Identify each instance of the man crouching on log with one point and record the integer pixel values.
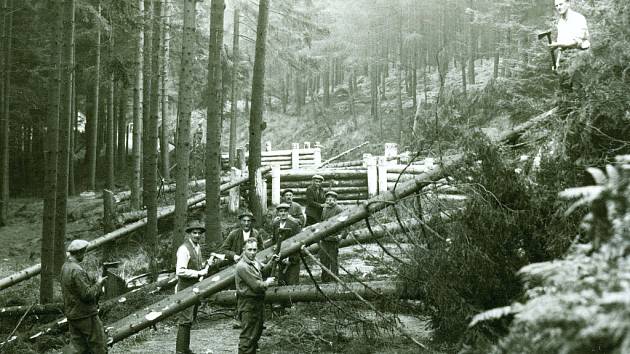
(80, 298)
(189, 270)
(250, 289)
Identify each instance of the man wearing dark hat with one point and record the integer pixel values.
(189, 270)
(315, 200)
(329, 246)
(233, 244)
(284, 227)
(80, 298)
(295, 209)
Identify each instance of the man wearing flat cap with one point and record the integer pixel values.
(80, 298)
(233, 244)
(284, 227)
(329, 246)
(295, 209)
(190, 269)
(315, 200)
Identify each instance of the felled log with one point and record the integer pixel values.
(336, 157)
(358, 182)
(339, 190)
(167, 188)
(412, 169)
(130, 216)
(326, 173)
(37, 309)
(363, 235)
(344, 164)
(308, 293)
(341, 196)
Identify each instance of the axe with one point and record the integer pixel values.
(551, 50)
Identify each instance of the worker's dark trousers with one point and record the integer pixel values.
(87, 335)
(252, 310)
(328, 255)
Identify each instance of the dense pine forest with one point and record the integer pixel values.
(483, 178)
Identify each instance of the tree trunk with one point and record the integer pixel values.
(73, 127)
(109, 147)
(255, 119)
(234, 96)
(151, 133)
(326, 84)
(67, 68)
(497, 51)
(138, 114)
(164, 132)
(213, 130)
(92, 124)
(50, 152)
(464, 88)
(122, 129)
(414, 81)
(472, 47)
(4, 113)
(185, 104)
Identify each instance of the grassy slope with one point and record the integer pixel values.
(335, 128)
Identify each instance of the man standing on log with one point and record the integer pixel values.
(250, 300)
(189, 270)
(284, 227)
(315, 201)
(329, 246)
(80, 298)
(233, 244)
(295, 209)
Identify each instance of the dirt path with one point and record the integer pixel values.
(208, 336)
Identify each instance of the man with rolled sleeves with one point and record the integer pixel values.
(295, 209)
(284, 227)
(189, 270)
(80, 298)
(329, 246)
(315, 200)
(233, 244)
(250, 300)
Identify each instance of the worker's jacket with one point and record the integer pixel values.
(80, 291)
(291, 228)
(328, 213)
(233, 244)
(314, 198)
(195, 262)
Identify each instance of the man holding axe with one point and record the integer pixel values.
(572, 32)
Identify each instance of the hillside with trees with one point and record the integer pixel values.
(123, 120)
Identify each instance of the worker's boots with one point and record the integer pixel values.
(182, 343)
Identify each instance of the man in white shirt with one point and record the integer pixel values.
(190, 269)
(572, 28)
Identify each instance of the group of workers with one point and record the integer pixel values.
(81, 292)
